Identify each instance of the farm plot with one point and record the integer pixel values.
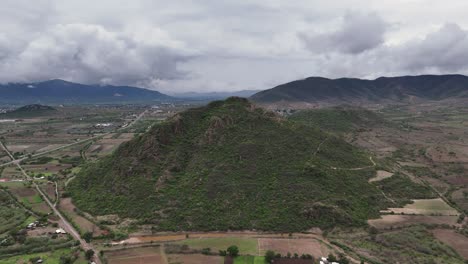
(10, 215)
(426, 207)
(49, 189)
(135, 255)
(30, 198)
(460, 197)
(249, 260)
(52, 257)
(389, 221)
(246, 245)
(194, 259)
(455, 240)
(84, 224)
(11, 172)
(46, 169)
(299, 246)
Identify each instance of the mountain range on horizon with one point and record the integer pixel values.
(60, 91)
(312, 90)
(315, 90)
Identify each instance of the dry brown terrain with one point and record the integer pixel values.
(135, 256)
(381, 174)
(426, 207)
(194, 259)
(453, 239)
(85, 225)
(387, 221)
(300, 246)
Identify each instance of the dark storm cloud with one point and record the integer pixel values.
(359, 32)
(445, 50)
(92, 54)
(205, 45)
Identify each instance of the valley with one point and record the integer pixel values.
(405, 166)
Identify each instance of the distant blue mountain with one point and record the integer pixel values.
(60, 91)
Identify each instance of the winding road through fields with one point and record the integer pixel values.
(63, 223)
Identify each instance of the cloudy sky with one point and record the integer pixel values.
(223, 45)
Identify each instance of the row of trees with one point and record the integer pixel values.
(270, 256)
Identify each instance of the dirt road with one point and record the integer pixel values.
(17, 161)
(63, 223)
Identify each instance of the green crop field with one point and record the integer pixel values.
(52, 257)
(246, 245)
(249, 260)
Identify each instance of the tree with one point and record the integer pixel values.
(269, 256)
(332, 258)
(65, 260)
(89, 254)
(88, 236)
(343, 259)
(233, 251)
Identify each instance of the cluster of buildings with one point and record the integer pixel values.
(33, 225)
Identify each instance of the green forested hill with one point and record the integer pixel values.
(230, 165)
(27, 111)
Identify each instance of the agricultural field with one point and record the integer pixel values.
(390, 221)
(434, 163)
(426, 207)
(194, 259)
(54, 147)
(299, 246)
(453, 239)
(51, 257)
(248, 246)
(415, 244)
(82, 223)
(137, 255)
(30, 198)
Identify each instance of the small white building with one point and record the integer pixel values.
(60, 231)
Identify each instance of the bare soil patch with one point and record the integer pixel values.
(22, 191)
(300, 246)
(460, 199)
(135, 255)
(388, 221)
(49, 189)
(194, 259)
(458, 180)
(381, 174)
(426, 207)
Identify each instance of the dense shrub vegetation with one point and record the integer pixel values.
(230, 165)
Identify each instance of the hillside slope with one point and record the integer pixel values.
(381, 90)
(230, 165)
(59, 91)
(339, 119)
(33, 110)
